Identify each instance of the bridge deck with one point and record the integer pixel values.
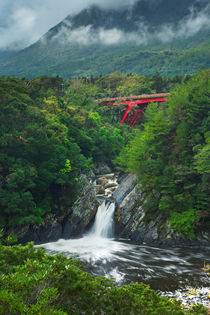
(136, 97)
(140, 102)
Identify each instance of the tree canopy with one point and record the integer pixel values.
(171, 156)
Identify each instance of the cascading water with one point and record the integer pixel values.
(95, 245)
(163, 269)
(103, 225)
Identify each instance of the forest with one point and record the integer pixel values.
(171, 155)
(52, 131)
(169, 60)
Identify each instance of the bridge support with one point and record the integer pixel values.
(137, 115)
(140, 101)
(130, 106)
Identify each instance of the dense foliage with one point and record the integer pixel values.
(48, 137)
(97, 60)
(171, 155)
(33, 282)
(53, 130)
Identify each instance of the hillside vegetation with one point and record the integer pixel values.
(53, 131)
(171, 37)
(48, 138)
(171, 155)
(72, 61)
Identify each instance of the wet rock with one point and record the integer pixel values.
(130, 220)
(111, 176)
(110, 185)
(50, 233)
(82, 212)
(101, 190)
(41, 233)
(101, 180)
(124, 189)
(190, 296)
(112, 189)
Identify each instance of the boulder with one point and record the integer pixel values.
(101, 180)
(110, 185)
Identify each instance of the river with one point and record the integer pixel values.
(164, 269)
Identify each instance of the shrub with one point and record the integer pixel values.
(33, 282)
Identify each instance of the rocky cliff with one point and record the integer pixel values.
(131, 224)
(130, 217)
(72, 223)
(75, 221)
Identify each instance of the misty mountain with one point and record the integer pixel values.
(4, 54)
(151, 13)
(171, 37)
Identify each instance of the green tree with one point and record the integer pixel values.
(171, 156)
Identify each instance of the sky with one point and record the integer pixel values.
(22, 22)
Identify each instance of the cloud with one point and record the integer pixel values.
(22, 22)
(187, 27)
(87, 35)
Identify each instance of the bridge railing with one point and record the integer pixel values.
(140, 102)
(124, 98)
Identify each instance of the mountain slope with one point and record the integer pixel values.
(165, 36)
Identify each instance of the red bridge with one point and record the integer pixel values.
(140, 103)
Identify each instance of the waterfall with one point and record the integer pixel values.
(103, 225)
(97, 244)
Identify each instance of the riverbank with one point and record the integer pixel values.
(190, 296)
(165, 269)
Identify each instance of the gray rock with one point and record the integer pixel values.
(124, 189)
(38, 234)
(130, 223)
(82, 213)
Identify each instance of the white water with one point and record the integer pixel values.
(163, 269)
(103, 225)
(94, 246)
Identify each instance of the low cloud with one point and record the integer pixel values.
(87, 35)
(23, 22)
(186, 28)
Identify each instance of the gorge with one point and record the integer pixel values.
(172, 272)
(59, 152)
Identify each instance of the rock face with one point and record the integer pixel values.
(49, 230)
(76, 220)
(82, 214)
(129, 216)
(130, 220)
(70, 224)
